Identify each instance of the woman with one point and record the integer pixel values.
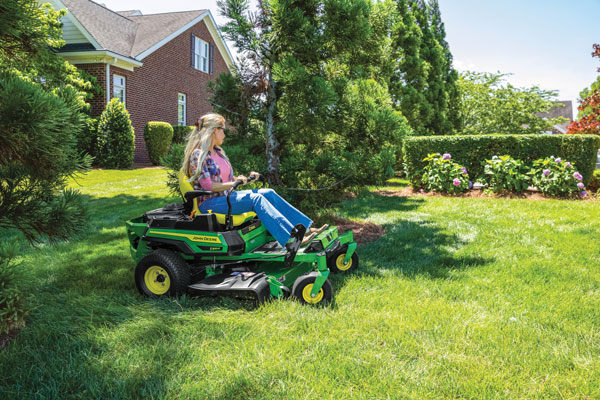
(209, 168)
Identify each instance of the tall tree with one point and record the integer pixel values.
(423, 85)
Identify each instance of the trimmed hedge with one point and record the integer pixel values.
(158, 136)
(180, 133)
(472, 151)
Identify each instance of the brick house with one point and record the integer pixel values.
(159, 65)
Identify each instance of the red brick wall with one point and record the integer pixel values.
(151, 90)
(99, 71)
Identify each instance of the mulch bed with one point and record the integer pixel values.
(364, 232)
(530, 194)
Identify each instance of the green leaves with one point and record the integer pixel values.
(441, 174)
(116, 138)
(505, 174)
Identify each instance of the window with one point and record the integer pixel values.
(119, 87)
(181, 108)
(201, 55)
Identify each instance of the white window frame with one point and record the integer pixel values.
(117, 85)
(201, 56)
(181, 102)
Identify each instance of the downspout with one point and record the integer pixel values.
(108, 64)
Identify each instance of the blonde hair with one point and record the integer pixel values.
(201, 138)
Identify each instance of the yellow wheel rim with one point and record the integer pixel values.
(306, 294)
(157, 280)
(339, 262)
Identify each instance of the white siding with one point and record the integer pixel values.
(70, 32)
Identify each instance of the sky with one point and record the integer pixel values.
(547, 43)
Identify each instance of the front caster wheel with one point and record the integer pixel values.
(162, 273)
(336, 262)
(304, 285)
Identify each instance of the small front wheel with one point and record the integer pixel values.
(336, 262)
(162, 273)
(303, 287)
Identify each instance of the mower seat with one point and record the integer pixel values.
(238, 219)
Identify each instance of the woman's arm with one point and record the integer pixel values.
(221, 187)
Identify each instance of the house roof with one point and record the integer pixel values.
(127, 32)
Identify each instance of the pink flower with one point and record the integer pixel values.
(464, 171)
(546, 172)
(568, 164)
(577, 176)
(456, 182)
(580, 185)
(446, 156)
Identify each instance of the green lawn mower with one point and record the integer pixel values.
(179, 250)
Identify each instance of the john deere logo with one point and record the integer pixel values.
(208, 239)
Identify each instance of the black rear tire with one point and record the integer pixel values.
(162, 273)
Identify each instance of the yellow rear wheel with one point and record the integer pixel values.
(336, 262)
(162, 273)
(157, 280)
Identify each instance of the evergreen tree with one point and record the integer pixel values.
(41, 105)
(116, 137)
(424, 82)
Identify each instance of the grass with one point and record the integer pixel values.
(463, 297)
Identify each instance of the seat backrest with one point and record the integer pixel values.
(185, 186)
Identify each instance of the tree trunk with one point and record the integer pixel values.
(272, 148)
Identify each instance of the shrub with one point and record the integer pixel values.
(87, 138)
(555, 177)
(444, 175)
(180, 133)
(504, 173)
(594, 183)
(471, 151)
(158, 136)
(173, 161)
(116, 138)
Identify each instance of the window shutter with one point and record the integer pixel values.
(193, 58)
(211, 55)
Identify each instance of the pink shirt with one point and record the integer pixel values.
(225, 168)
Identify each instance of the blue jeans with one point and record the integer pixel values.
(278, 216)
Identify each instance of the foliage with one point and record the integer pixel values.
(116, 138)
(37, 155)
(505, 174)
(158, 136)
(173, 161)
(441, 174)
(594, 183)
(87, 138)
(423, 84)
(589, 109)
(472, 150)
(489, 106)
(180, 133)
(555, 177)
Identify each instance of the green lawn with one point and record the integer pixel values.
(463, 297)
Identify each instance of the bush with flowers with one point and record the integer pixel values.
(505, 174)
(556, 177)
(441, 174)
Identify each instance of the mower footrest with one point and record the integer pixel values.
(251, 285)
(270, 248)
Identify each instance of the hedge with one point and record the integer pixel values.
(181, 132)
(116, 137)
(158, 136)
(471, 151)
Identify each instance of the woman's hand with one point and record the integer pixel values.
(254, 174)
(242, 178)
